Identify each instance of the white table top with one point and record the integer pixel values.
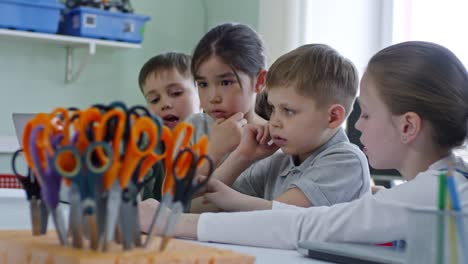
(15, 215)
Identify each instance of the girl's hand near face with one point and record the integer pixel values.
(225, 136)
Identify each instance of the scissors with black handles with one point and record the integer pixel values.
(184, 172)
(38, 209)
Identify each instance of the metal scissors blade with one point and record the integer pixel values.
(174, 217)
(128, 219)
(157, 216)
(39, 216)
(112, 199)
(38, 211)
(76, 217)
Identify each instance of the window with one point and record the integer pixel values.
(443, 22)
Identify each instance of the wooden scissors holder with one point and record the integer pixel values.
(19, 246)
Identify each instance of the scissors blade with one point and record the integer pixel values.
(101, 213)
(76, 216)
(158, 215)
(91, 222)
(59, 223)
(36, 219)
(127, 224)
(136, 230)
(128, 216)
(176, 212)
(112, 212)
(44, 217)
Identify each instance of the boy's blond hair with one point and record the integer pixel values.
(317, 71)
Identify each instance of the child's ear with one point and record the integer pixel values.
(260, 82)
(409, 126)
(336, 115)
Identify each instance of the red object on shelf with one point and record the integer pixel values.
(388, 244)
(9, 181)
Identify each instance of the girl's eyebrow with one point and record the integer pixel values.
(225, 75)
(218, 76)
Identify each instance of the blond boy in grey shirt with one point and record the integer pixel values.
(335, 173)
(311, 91)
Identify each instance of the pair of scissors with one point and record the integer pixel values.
(111, 130)
(185, 185)
(85, 176)
(115, 128)
(137, 160)
(173, 141)
(38, 211)
(48, 177)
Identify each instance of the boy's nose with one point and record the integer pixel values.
(166, 104)
(357, 125)
(275, 122)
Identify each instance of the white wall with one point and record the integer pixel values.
(280, 24)
(357, 28)
(351, 27)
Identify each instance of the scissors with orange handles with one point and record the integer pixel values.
(48, 177)
(110, 130)
(173, 142)
(184, 172)
(137, 161)
(85, 173)
(38, 210)
(131, 160)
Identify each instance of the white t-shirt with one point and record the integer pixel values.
(375, 218)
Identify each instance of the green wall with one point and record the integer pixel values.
(32, 73)
(218, 11)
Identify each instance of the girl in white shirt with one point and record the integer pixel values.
(414, 101)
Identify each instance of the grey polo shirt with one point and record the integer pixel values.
(337, 172)
(202, 124)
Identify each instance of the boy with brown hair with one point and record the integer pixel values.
(169, 88)
(311, 91)
(170, 92)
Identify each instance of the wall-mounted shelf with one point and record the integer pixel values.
(70, 43)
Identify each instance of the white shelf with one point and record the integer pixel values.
(66, 40)
(69, 43)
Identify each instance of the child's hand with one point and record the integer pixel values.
(222, 196)
(226, 135)
(146, 209)
(255, 143)
(377, 188)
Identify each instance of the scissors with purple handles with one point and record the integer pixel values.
(49, 178)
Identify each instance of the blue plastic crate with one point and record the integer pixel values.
(31, 15)
(102, 24)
